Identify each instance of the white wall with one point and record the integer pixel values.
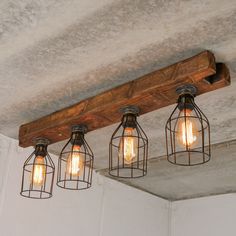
(128, 211)
(108, 208)
(208, 216)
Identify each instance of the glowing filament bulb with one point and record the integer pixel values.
(129, 150)
(39, 171)
(187, 129)
(74, 162)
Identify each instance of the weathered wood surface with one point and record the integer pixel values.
(149, 92)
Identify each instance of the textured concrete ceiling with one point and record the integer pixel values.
(55, 53)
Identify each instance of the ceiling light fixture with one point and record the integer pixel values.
(38, 173)
(128, 149)
(187, 131)
(75, 164)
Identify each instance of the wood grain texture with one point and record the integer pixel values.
(149, 92)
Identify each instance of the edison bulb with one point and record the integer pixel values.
(129, 150)
(187, 129)
(74, 162)
(39, 171)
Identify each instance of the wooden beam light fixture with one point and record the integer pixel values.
(187, 129)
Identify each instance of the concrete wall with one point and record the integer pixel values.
(208, 216)
(108, 208)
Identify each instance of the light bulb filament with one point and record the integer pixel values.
(74, 162)
(128, 147)
(39, 172)
(188, 137)
(187, 129)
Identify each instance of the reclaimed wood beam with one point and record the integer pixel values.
(149, 92)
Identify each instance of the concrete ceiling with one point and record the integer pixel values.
(55, 53)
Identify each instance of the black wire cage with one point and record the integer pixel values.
(187, 131)
(38, 173)
(128, 149)
(75, 163)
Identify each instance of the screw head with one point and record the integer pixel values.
(130, 110)
(42, 141)
(186, 89)
(79, 128)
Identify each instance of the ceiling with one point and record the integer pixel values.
(55, 53)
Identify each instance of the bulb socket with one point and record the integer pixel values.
(185, 101)
(41, 146)
(130, 114)
(129, 121)
(186, 96)
(77, 136)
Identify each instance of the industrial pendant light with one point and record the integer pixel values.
(128, 149)
(187, 131)
(75, 164)
(38, 173)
